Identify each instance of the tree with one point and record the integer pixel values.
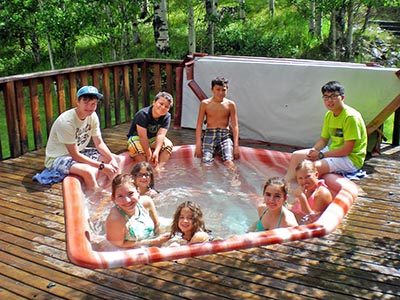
(191, 28)
(210, 18)
(160, 25)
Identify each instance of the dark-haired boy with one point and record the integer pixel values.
(147, 140)
(342, 146)
(220, 114)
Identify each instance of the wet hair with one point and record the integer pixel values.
(149, 169)
(119, 180)
(333, 86)
(307, 165)
(165, 95)
(198, 222)
(219, 81)
(281, 182)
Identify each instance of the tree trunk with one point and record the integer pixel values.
(332, 34)
(318, 24)
(210, 13)
(50, 48)
(160, 25)
(272, 7)
(311, 20)
(144, 10)
(242, 14)
(135, 31)
(349, 35)
(191, 28)
(367, 16)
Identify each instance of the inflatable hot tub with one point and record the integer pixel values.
(78, 230)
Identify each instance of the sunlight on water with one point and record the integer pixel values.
(228, 207)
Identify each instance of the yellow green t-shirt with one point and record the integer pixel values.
(348, 126)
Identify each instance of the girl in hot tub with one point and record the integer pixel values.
(144, 178)
(273, 212)
(313, 196)
(188, 225)
(132, 223)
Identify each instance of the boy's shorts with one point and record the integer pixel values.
(135, 147)
(217, 140)
(339, 163)
(64, 163)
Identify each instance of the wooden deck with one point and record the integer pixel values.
(360, 260)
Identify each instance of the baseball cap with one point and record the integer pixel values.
(89, 90)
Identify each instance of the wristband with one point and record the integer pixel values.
(101, 166)
(321, 155)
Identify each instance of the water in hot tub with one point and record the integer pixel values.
(228, 202)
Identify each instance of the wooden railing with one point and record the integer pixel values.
(31, 102)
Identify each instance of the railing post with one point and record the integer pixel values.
(178, 97)
(396, 128)
(12, 119)
(35, 112)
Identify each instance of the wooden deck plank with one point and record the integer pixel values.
(358, 260)
(15, 290)
(144, 274)
(33, 287)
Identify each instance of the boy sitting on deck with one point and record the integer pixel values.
(147, 139)
(67, 150)
(219, 112)
(342, 146)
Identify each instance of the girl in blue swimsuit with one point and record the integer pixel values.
(273, 213)
(131, 223)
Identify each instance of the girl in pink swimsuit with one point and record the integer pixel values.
(313, 197)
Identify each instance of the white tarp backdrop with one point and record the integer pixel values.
(279, 100)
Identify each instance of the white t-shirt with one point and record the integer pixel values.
(69, 129)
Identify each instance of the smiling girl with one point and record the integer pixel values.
(189, 224)
(132, 223)
(273, 213)
(144, 178)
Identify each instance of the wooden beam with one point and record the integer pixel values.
(383, 115)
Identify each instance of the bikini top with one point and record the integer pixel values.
(297, 206)
(260, 226)
(138, 227)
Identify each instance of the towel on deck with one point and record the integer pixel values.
(357, 175)
(49, 176)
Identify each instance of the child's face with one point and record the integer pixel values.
(274, 197)
(161, 107)
(219, 91)
(307, 179)
(126, 197)
(333, 101)
(142, 178)
(185, 223)
(87, 107)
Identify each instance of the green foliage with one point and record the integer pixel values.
(82, 32)
(285, 35)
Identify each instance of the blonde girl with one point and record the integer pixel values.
(313, 196)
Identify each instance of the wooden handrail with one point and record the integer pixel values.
(33, 101)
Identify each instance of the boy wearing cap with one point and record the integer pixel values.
(147, 139)
(342, 146)
(67, 151)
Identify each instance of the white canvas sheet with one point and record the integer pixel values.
(279, 101)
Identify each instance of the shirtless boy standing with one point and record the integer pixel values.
(220, 113)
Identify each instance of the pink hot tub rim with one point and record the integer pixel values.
(80, 251)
